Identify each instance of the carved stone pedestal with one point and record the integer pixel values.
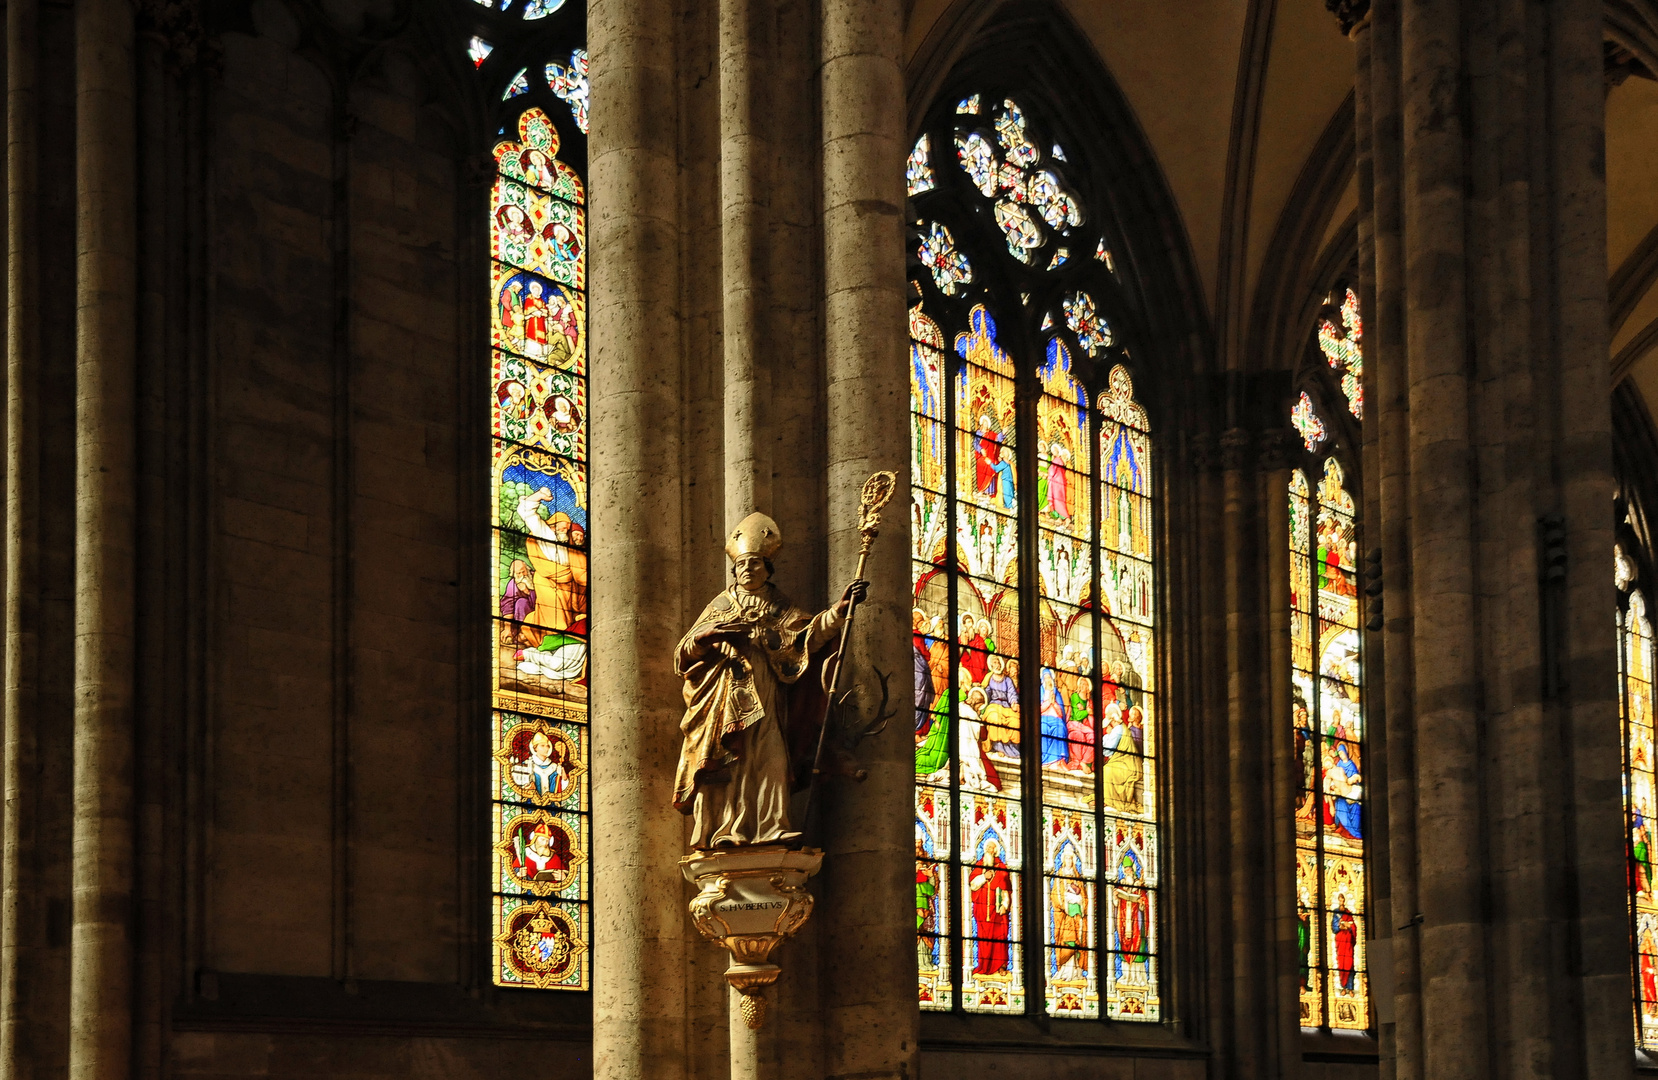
(750, 900)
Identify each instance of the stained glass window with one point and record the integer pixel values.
(1038, 858)
(540, 876)
(1340, 340)
(569, 82)
(1635, 679)
(918, 171)
(1327, 722)
(1306, 421)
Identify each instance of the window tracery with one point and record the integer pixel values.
(1340, 339)
(1038, 858)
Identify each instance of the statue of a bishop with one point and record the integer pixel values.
(748, 648)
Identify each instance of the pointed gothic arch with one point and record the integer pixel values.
(1054, 322)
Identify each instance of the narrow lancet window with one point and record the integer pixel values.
(1327, 720)
(1635, 686)
(539, 783)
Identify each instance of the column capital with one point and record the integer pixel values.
(178, 24)
(1352, 15)
(1235, 444)
(1276, 449)
(1205, 452)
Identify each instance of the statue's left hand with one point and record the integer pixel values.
(857, 590)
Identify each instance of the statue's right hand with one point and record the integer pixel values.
(716, 630)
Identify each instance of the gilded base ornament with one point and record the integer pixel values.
(750, 900)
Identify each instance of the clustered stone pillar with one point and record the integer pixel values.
(1509, 932)
(743, 228)
(106, 477)
(22, 902)
(639, 921)
(1280, 775)
(868, 892)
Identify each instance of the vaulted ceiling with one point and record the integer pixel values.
(1233, 97)
(1239, 100)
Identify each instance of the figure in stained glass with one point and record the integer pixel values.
(991, 888)
(1131, 928)
(1343, 790)
(542, 764)
(1344, 931)
(1123, 742)
(1649, 976)
(1069, 902)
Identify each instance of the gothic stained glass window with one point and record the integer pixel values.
(1038, 860)
(539, 782)
(1635, 685)
(1328, 735)
(1340, 339)
(1305, 419)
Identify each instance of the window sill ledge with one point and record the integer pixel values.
(1343, 1048)
(1022, 1035)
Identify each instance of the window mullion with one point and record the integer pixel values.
(957, 895)
(1034, 861)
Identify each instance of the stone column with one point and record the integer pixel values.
(743, 228)
(1510, 932)
(106, 477)
(640, 925)
(871, 1019)
(1595, 822)
(1244, 836)
(22, 903)
(1281, 772)
(1379, 931)
(1441, 506)
(1385, 354)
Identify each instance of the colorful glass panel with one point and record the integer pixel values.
(992, 850)
(1342, 346)
(1033, 609)
(1128, 732)
(1635, 678)
(1033, 205)
(569, 83)
(1327, 729)
(918, 171)
(1093, 332)
(1306, 421)
(539, 791)
(938, 253)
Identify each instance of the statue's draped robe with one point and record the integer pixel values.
(734, 769)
